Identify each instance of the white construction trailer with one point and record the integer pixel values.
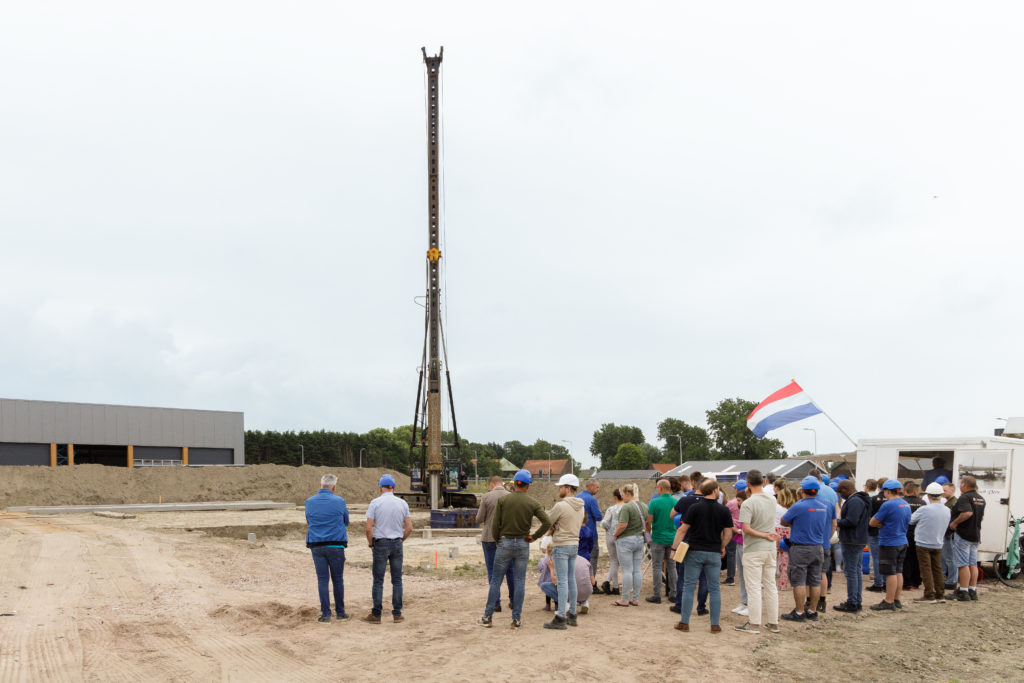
(993, 460)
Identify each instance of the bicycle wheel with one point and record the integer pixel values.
(1003, 574)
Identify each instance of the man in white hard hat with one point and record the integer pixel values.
(566, 519)
(931, 520)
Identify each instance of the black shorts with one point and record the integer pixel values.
(890, 559)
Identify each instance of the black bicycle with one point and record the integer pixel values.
(1004, 570)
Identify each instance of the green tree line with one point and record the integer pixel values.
(725, 438)
(623, 447)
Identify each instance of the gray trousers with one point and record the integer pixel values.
(659, 554)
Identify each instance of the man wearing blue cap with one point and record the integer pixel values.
(892, 521)
(812, 522)
(510, 525)
(388, 524)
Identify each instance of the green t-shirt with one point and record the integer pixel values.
(634, 514)
(663, 529)
(758, 512)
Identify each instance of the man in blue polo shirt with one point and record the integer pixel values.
(594, 516)
(892, 521)
(812, 522)
(327, 538)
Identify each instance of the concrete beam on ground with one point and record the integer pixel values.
(155, 507)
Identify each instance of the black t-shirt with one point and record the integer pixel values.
(876, 504)
(684, 504)
(707, 518)
(972, 501)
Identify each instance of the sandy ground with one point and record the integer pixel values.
(98, 484)
(145, 599)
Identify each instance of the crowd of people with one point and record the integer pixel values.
(772, 536)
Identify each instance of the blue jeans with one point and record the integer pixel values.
(330, 567)
(852, 571)
(490, 548)
(701, 563)
(511, 552)
(878, 580)
(948, 565)
(631, 554)
(702, 588)
(387, 552)
(564, 559)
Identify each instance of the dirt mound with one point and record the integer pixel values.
(290, 529)
(267, 614)
(98, 484)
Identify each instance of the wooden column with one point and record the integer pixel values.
(53, 455)
(71, 454)
(184, 456)
(131, 457)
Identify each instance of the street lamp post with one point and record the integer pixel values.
(680, 447)
(361, 456)
(812, 429)
(572, 466)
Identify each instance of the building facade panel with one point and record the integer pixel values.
(48, 422)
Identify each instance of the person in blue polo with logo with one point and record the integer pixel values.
(812, 523)
(327, 538)
(892, 521)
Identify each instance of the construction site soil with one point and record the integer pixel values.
(184, 596)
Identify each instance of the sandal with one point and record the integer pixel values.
(617, 603)
(634, 604)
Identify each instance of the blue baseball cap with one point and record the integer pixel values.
(825, 479)
(523, 477)
(740, 485)
(387, 480)
(942, 479)
(841, 477)
(809, 483)
(834, 485)
(892, 484)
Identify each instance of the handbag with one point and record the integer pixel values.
(643, 523)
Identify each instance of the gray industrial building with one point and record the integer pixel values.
(57, 434)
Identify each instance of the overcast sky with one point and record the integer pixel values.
(649, 207)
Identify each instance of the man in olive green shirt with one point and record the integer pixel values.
(511, 524)
(663, 532)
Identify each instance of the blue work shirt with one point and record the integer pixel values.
(827, 494)
(327, 517)
(895, 518)
(810, 522)
(592, 509)
(388, 513)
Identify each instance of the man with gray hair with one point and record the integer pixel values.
(663, 533)
(327, 538)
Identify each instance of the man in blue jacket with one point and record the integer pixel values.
(593, 513)
(853, 536)
(327, 538)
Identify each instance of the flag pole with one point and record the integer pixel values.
(828, 416)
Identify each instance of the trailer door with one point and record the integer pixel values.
(992, 470)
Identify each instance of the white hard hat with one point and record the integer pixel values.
(569, 480)
(934, 489)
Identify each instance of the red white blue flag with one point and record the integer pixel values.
(788, 404)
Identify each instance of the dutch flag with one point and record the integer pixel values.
(788, 404)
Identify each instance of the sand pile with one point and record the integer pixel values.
(546, 493)
(98, 484)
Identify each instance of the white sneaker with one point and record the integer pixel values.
(739, 609)
(744, 612)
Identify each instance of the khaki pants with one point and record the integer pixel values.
(759, 573)
(930, 561)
